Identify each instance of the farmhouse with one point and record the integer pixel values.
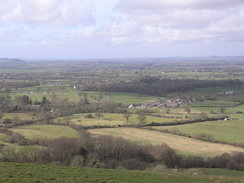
(171, 103)
(229, 93)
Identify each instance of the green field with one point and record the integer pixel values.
(233, 112)
(225, 131)
(73, 95)
(213, 91)
(112, 119)
(45, 131)
(10, 151)
(220, 172)
(123, 97)
(214, 104)
(3, 137)
(183, 145)
(19, 116)
(30, 173)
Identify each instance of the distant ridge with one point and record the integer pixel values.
(11, 60)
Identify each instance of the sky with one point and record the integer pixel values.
(74, 29)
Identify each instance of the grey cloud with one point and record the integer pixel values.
(128, 5)
(184, 20)
(58, 12)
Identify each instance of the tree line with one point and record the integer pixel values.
(53, 107)
(113, 152)
(156, 86)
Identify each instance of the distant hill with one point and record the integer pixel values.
(12, 60)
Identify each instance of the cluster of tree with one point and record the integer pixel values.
(111, 152)
(106, 152)
(19, 103)
(156, 86)
(24, 102)
(18, 84)
(55, 107)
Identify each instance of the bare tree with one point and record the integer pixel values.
(1, 116)
(222, 109)
(67, 119)
(187, 109)
(98, 115)
(127, 115)
(142, 118)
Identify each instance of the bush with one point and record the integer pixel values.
(64, 149)
(89, 116)
(204, 136)
(133, 164)
(231, 161)
(193, 162)
(17, 138)
(7, 121)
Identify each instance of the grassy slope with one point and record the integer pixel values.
(29, 173)
(45, 131)
(227, 131)
(181, 144)
(3, 137)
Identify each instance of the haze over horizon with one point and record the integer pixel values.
(120, 28)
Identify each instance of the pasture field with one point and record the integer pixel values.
(221, 172)
(182, 145)
(233, 112)
(63, 92)
(202, 75)
(212, 91)
(123, 97)
(173, 112)
(45, 131)
(207, 109)
(71, 95)
(231, 131)
(19, 116)
(29, 173)
(236, 112)
(213, 104)
(3, 137)
(18, 148)
(112, 119)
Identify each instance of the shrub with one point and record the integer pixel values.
(89, 116)
(133, 164)
(7, 121)
(204, 136)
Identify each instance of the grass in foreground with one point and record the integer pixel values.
(45, 131)
(183, 145)
(30, 173)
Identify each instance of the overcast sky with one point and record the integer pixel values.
(121, 28)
